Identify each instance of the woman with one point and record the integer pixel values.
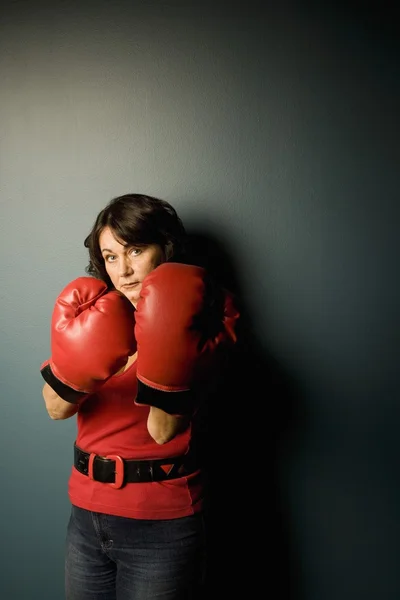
(137, 487)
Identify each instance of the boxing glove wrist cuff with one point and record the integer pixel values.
(64, 391)
(173, 403)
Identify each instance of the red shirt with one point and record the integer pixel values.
(110, 422)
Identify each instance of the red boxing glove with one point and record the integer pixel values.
(92, 336)
(182, 323)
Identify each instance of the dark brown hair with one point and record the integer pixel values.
(136, 220)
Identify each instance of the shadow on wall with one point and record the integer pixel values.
(253, 411)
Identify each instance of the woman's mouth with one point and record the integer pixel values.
(130, 286)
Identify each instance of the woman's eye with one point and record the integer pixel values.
(136, 251)
(110, 258)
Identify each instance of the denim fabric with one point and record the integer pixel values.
(116, 558)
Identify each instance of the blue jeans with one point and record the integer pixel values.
(116, 558)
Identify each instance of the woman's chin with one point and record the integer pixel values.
(132, 295)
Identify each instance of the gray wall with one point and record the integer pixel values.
(276, 138)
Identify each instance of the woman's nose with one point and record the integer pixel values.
(125, 267)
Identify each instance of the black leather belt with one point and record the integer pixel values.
(117, 471)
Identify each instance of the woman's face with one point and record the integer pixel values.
(127, 266)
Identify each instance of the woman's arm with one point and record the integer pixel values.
(56, 406)
(164, 427)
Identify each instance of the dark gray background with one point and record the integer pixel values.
(275, 135)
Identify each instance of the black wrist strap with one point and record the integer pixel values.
(64, 391)
(173, 403)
